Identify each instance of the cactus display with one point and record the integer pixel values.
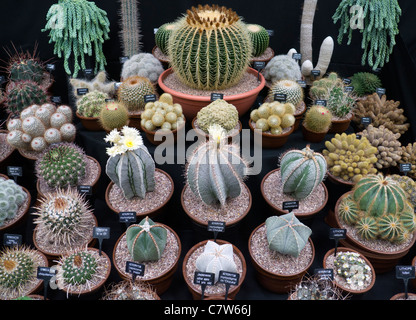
(215, 169)
(143, 65)
(61, 165)
(301, 172)
(365, 83)
(282, 67)
(146, 241)
(63, 217)
(130, 31)
(162, 114)
(350, 158)
(132, 91)
(113, 115)
(273, 117)
(162, 36)
(90, 104)
(216, 257)
(215, 59)
(130, 165)
(83, 21)
(218, 112)
(99, 83)
(12, 197)
(286, 234)
(408, 155)
(292, 90)
(22, 94)
(317, 119)
(259, 38)
(353, 268)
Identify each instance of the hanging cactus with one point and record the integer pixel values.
(146, 241)
(286, 234)
(302, 171)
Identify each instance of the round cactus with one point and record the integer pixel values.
(12, 196)
(282, 67)
(162, 36)
(367, 228)
(292, 90)
(24, 67)
(218, 112)
(348, 211)
(273, 117)
(90, 104)
(259, 38)
(23, 94)
(113, 116)
(76, 269)
(132, 91)
(365, 83)
(143, 65)
(318, 119)
(210, 48)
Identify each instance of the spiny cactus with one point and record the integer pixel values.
(409, 156)
(317, 119)
(129, 290)
(353, 268)
(316, 288)
(146, 241)
(218, 57)
(99, 83)
(365, 83)
(113, 116)
(61, 165)
(22, 94)
(215, 169)
(286, 234)
(302, 171)
(259, 38)
(218, 112)
(292, 90)
(273, 117)
(90, 104)
(132, 91)
(12, 196)
(408, 185)
(130, 165)
(282, 67)
(143, 65)
(162, 36)
(130, 31)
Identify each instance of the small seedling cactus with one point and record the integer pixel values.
(12, 196)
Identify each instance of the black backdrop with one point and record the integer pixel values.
(22, 20)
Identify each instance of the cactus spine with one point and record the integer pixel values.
(318, 119)
(259, 38)
(130, 33)
(132, 91)
(113, 116)
(90, 104)
(22, 94)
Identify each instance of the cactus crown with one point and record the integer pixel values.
(23, 94)
(113, 116)
(90, 104)
(77, 268)
(259, 38)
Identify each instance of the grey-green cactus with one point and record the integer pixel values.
(143, 65)
(12, 196)
(282, 67)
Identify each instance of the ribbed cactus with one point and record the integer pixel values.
(130, 34)
(76, 269)
(25, 66)
(210, 48)
(12, 196)
(218, 112)
(286, 234)
(317, 119)
(90, 104)
(146, 241)
(132, 91)
(61, 165)
(302, 171)
(113, 116)
(259, 38)
(292, 90)
(130, 165)
(215, 169)
(162, 36)
(22, 94)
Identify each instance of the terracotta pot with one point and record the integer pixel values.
(90, 123)
(339, 181)
(159, 283)
(161, 135)
(299, 116)
(150, 213)
(196, 291)
(340, 285)
(339, 126)
(192, 104)
(312, 136)
(134, 120)
(161, 57)
(382, 261)
(205, 135)
(277, 283)
(279, 211)
(263, 57)
(413, 281)
(401, 296)
(272, 141)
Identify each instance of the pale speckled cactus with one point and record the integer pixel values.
(218, 112)
(282, 67)
(12, 196)
(146, 241)
(302, 171)
(142, 65)
(286, 234)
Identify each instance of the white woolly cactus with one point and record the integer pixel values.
(282, 67)
(12, 196)
(142, 65)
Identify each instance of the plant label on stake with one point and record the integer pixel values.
(88, 73)
(56, 99)
(381, 91)
(215, 96)
(11, 240)
(302, 83)
(324, 273)
(45, 274)
(320, 103)
(14, 172)
(135, 269)
(123, 59)
(127, 217)
(349, 88)
(281, 97)
(229, 279)
(405, 273)
(346, 81)
(216, 226)
(101, 233)
(365, 121)
(405, 167)
(315, 73)
(82, 91)
(336, 234)
(204, 279)
(149, 98)
(259, 65)
(85, 189)
(290, 205)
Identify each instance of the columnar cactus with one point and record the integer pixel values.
(113, 116)
(162, 36)
(210, 48)
(130, 165)
(146, 241)
(259, 38)
(22, 94)
(292, 90)
(318, 119)
(302, 171)
(218, 112)
(90, 104)
(12, 196)
(132, 91)
(286, 234)
(130, 34)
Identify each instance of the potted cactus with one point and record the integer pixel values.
(316, 123)
(212, 257)
(214, 187)
(154, 245)
(114, 116)
(143, 65)
(316, 288)
(128, 290)
(136, 184)
(281, 252)
(260, 39)
(89, 108)
(196, 73)
(299, 178)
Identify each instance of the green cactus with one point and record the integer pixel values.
(162, 36)
(353, 268)
(113, 116)
(367, 228)
(348, 211)
(12, 196)
(215, 169)
(390, 227)
(318, 119)
(259, 38)
(365, 83)
(90, 104)
(218, 112)
(22, 94)
(26, 66)
(76, 269)
(286, 234)
(146, 241)
(132, 91)
(292, 90)
(302, 171)
(210, 48)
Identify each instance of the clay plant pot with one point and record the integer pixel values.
(312, 136)
(382, 261)
(413, 281)
(402, 295)
(343, 286)
(218, 290)
(340, 125)
(191, 104)
(90, 123)
(267, 55)
(158, 137)
(164, 59)
(272, 281)
(339, 181)
(272, 141)
(158, 274)
(132, 204)
(234, 132)
(135, 119)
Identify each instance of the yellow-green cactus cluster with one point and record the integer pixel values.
(350, 158)
(218, 112)
(274, 117)
(409, 156)
(162, 114)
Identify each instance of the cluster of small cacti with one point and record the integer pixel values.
(316, 288)
(132, 91)
(113, 115)
(317, 119)
(12, 196)
(350, 158)
(22, 94)
(408, 155)
(259, 38)
(408, 185)
(146, 241)
(301, 172)
(387, 143)
(368, 210)
(162, 114)
(365, 83)
(99, 83)
(218, 112)
(286, 234)
(63, 216)
(381, 112)
(162, 36)
(215, 169)
(291, 89)
(320, 89)
(90, 104)
(354, 269)
(282, 67)
(203, 61)
(143, 65)
(273, 117)
(130, 165)
(127, 290)
(40, 126)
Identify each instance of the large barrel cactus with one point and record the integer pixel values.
(210, 48)
(302, 171)
(130, 166)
